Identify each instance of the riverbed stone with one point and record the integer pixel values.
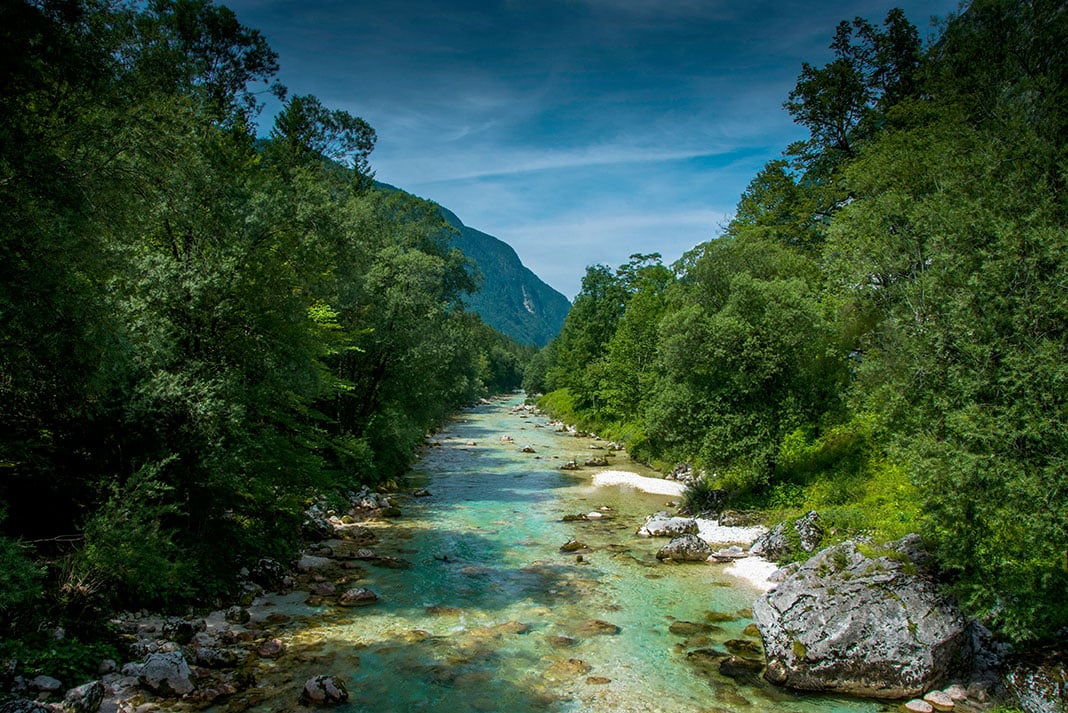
(939, 700)
(663, 525)
(271, 649)
(167, 674)
(357, 597)
(573, 546)
(85, 698)
(876, 627)
(772, 544)
(917, 705)
(238, 615)
(324, 691)
(563, 670)
(45, 684)
(597, 627)
(687, 548)
(689, 628)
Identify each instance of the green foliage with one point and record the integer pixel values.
(701, 496)
(199, 329)
(69, 660)
(21, 582)
(881, 335)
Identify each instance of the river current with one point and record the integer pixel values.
(493, 616)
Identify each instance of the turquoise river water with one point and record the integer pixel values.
(492, 616)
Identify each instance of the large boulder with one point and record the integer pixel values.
(874, 627)
(85, 698)
(687, 548)
(167, 674)
(1038, 682)
(663, 525)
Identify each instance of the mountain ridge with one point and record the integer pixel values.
(512, 298)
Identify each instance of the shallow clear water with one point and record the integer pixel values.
(478, 623)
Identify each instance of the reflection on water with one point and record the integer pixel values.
(493, 616)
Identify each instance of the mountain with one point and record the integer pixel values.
(513, 300)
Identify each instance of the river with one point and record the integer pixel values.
(492, 616)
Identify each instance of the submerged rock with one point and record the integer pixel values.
(597, 627)
(357, 597)
(324, 690)
(851, 624)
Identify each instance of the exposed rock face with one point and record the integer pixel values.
(809, 530)
(167, 674)
(688, 548)
(772, 544)
(847, 623)
(1039, 684)
(663, 525)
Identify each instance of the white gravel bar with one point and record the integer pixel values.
(754, 570)
(656, 486)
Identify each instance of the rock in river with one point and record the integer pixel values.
(167, 674)
(687, 548)
(663, 525)
(874, 627)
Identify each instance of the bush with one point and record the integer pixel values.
(20, 582)
(701, 496)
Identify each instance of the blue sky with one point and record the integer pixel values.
(577, 131)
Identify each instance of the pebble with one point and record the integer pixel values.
(918, 706)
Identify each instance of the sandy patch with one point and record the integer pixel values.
(754, 570)
(656, 486)
(715, 534)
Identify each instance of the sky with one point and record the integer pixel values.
(577, 131)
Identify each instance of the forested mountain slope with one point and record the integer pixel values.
(511, 298)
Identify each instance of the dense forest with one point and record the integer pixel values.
(199, 329)
(881, 331)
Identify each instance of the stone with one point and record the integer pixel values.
(21, 705)
(871, 627)
(268, 573)
(663, 525)
(357, 597)
(167, 674)
(563, 670)
(918, 706)
(1038, 682)
(597, 627)
(86, 698)
(324, 691)
(940, 700)
(45, 684)
(598, 680)
(772, 544)
(957, 692)
(597, 462)
(323, 589)
(689, 628)
(210, 657)
(559, 641)
(688, 548)
(271, 649)
(238, 615)
(573, 546)
(423, 492)
(570, 465)
(739, 667)
(311, 563)
(182, 631)
(809, 530)
(729, 554)
(745, 648)
(107, 666)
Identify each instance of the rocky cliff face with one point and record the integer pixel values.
(867, 626)
(512, 299)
